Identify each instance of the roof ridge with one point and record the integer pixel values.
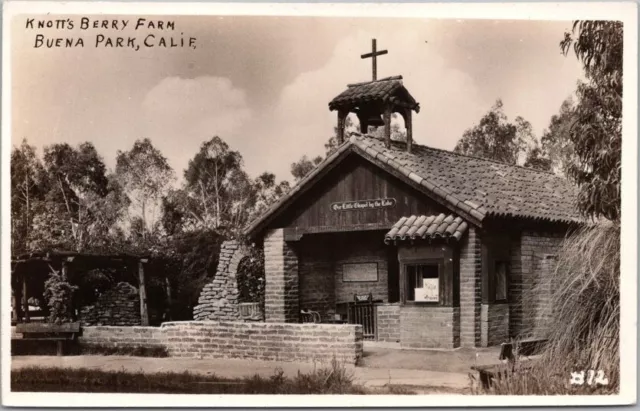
(462, 155)
(390, 78)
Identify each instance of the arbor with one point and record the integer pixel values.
(495, 138)
(596, 134)
(145, 175)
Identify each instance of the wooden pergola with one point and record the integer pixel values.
(64, 259)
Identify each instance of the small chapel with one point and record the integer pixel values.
(449, 250)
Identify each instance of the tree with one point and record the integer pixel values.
(27, 188)
(80, 204)
(145, 175)
(497, 139)
(302, 167)
(596, 134)
(267, 192)
(556, 142)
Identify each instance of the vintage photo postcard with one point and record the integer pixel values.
(319, 204)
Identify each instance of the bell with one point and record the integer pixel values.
(375, 121)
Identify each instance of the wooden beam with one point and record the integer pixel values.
(168, 285)
(144, 313)
(65, 270)
(387, 126)
(25, 298)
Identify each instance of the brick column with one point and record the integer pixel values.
(470, 289)
(281, 277)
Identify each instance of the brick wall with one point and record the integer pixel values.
(362, 248)
(119, 305)
(470, 288)
(218, 299)
(494, 324)
(281, 278)
(388, 322)
(122, 336)
(264, 341)
(316, 274)
(429, 327)
(532, 268)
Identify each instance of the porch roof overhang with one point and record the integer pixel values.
(447, 227)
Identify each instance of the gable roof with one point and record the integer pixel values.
(385, 90)
(474, 188)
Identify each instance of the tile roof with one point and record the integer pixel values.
(477, 186)
(427, 227)
(385, 90)
(471, 186)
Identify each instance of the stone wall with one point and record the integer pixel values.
(424, 326)
(470, 288)
(494, 324)
(218, 299)
(533, 259)
(119, 306)
(388, 322)
(263, 341)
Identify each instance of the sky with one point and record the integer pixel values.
(263, 84)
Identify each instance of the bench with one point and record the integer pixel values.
(60, 333)
(511, 353)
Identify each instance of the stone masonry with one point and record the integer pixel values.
(470, 289)
(281, 279)
(388, 322)
(494, 324)
(429, 327)
(119, 305)
(218, 299)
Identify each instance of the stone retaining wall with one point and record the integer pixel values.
(119, 306)
(319, 343)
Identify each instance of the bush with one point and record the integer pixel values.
(59, 296)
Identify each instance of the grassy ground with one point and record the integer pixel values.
(331, 380)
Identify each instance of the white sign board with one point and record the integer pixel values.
(429, 291)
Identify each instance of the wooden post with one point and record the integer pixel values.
(387, 127)
(408, 126)
(168, 285)
(144, 314)
(25, 298)
(342, 115)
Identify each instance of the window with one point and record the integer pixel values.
(501, 273)
(422, 282)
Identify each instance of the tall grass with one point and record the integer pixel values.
(582, 321)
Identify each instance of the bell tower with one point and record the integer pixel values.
(373, 102)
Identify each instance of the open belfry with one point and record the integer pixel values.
(421, 246)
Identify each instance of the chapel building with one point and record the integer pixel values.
(453, 250)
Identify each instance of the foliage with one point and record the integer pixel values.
(27, 174)
(250, 277)
(145, 175)
(596, 134)
(497, 139)
(58, 294)
(557, 148)
(302, 167)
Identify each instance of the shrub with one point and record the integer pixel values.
(59, 296)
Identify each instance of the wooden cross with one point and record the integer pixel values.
(373, 56)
